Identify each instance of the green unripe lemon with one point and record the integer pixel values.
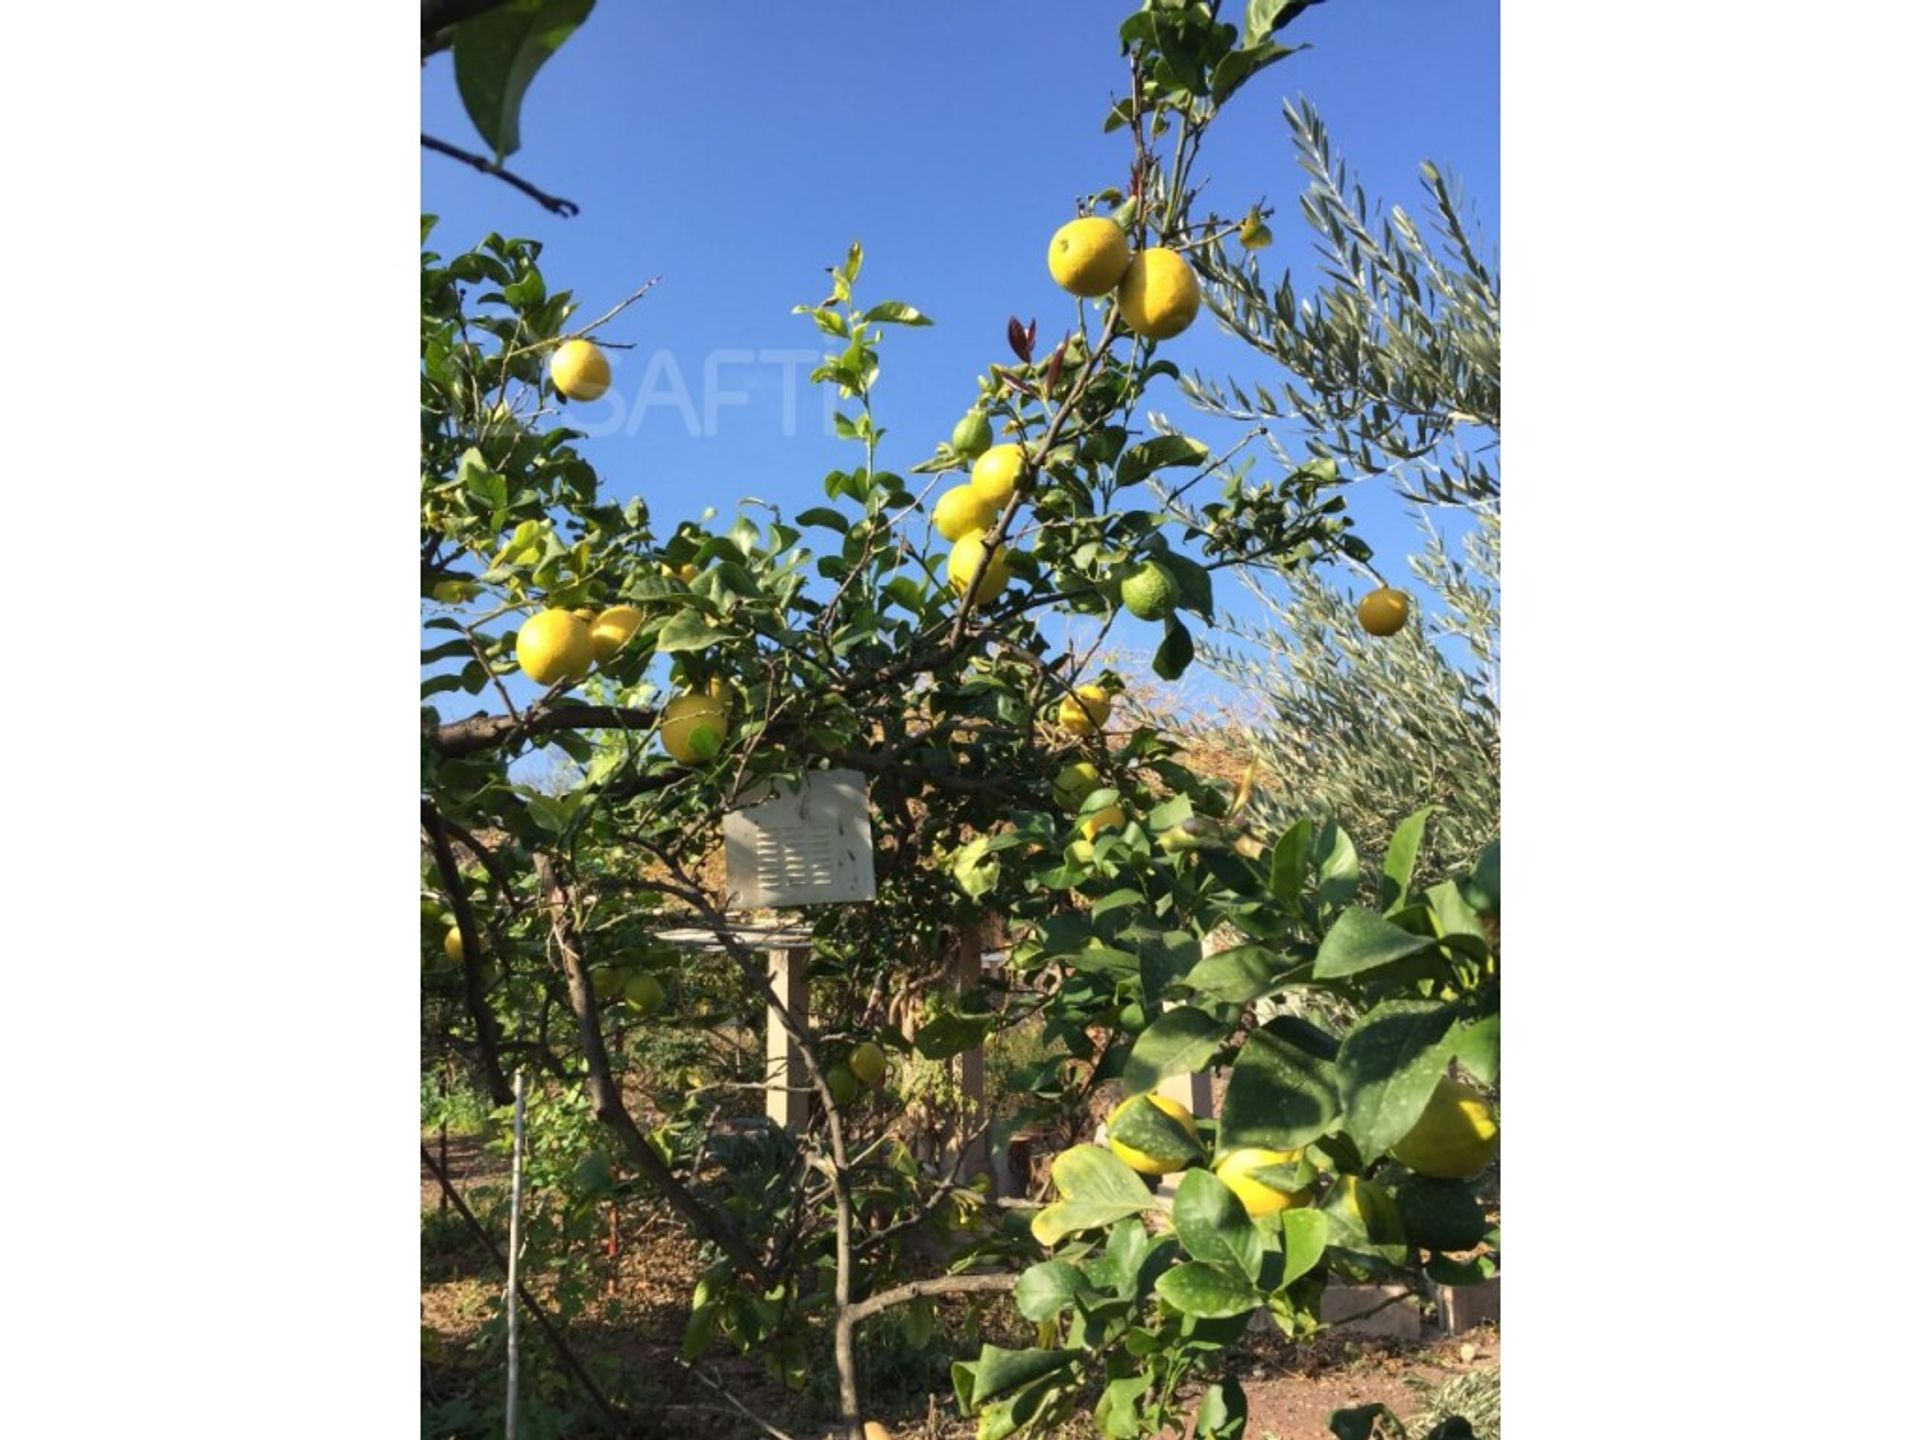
(868, 1063)
(972, 434)
(643, 993)
(1149, 591)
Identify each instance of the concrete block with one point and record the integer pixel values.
(1397, 1321)
(1465, 1307)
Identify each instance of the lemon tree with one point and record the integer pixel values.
(661, 672)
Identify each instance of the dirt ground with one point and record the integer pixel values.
(634, 1326)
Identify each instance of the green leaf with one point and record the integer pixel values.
(1213, 1225)
(1096, 1189)
(1280, 1096)
(1195, 582)
(1303, 1233)
(1244, 973)
(497, 54)
(945, 1036)
(1362, 941)
(1209, 1292)
(1388, 1065)
(998, 1371)
(1403, 852)
(974, 871)
(1175, 654)
(1476, 1045)
(1150, 1130)
(895, 312)
(687, 630)
(1044, 1290)
(1266, 16)
(1240, 66)
(1339, 865)
(1223, 1412)
(1162, 452)
(1117, 1412)
(1176, 1043)
(1482, 890)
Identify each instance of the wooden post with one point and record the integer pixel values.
(973, 1063)
(786, 1071)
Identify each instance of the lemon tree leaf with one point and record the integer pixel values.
(1362, 940)
(1044, 1290)
(1243, 973)
(1303, 1234)
(1213, 1224)
(1150, 1130)
(1195, 582)
(1176, 1043)
(1175, 654)
(497, 54)
(1281, 1096)
(1096, 1189)
(1223, 1412)
(1159, 453)
(896, 312)
(998, 1371)
(1208, 1292)
(1387, 1068)
(1403, 851)
(1476, 1045)
(688, 630)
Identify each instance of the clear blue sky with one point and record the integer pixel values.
(735, 150)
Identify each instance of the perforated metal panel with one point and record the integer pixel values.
(810, 845)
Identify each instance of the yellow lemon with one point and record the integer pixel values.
(611, 629)
(1085, 711)
(1383, 611)
(1158, 295)
(694, 728)
(554, 645)
(643, 993)
(996, 473)
(1088, 256)
(965, 559)
(688, 573)
(1236, 1168)
(868, 1063)
(1455, 1136)
(877, 1431)
(1074, 783)
(579, 370)
(961, 511)
(1148, 1164)
(1106, 819)
(455, 947)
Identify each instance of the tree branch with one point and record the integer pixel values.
(483, 731)
(707, 1223)
(485, 1029)
(941, 1285)
(565, 209)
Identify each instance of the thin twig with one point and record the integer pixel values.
(565, 209)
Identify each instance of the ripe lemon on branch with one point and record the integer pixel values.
(1265, 1180)
(1455, 1136)
(965, 559)
(1107, 819)
(1074, 783)
(1085, 711)
(554, 645)
(1087, 257)
(996, 474)
(1153, 1135)
(694, 727)
(611, 629)
(579, 370)
(961, 511)
(1158, 295)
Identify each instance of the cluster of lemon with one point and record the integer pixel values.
(555, 645)
(862, 1070)
(641, 991)
(1455, 1138)
(1158, 296)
